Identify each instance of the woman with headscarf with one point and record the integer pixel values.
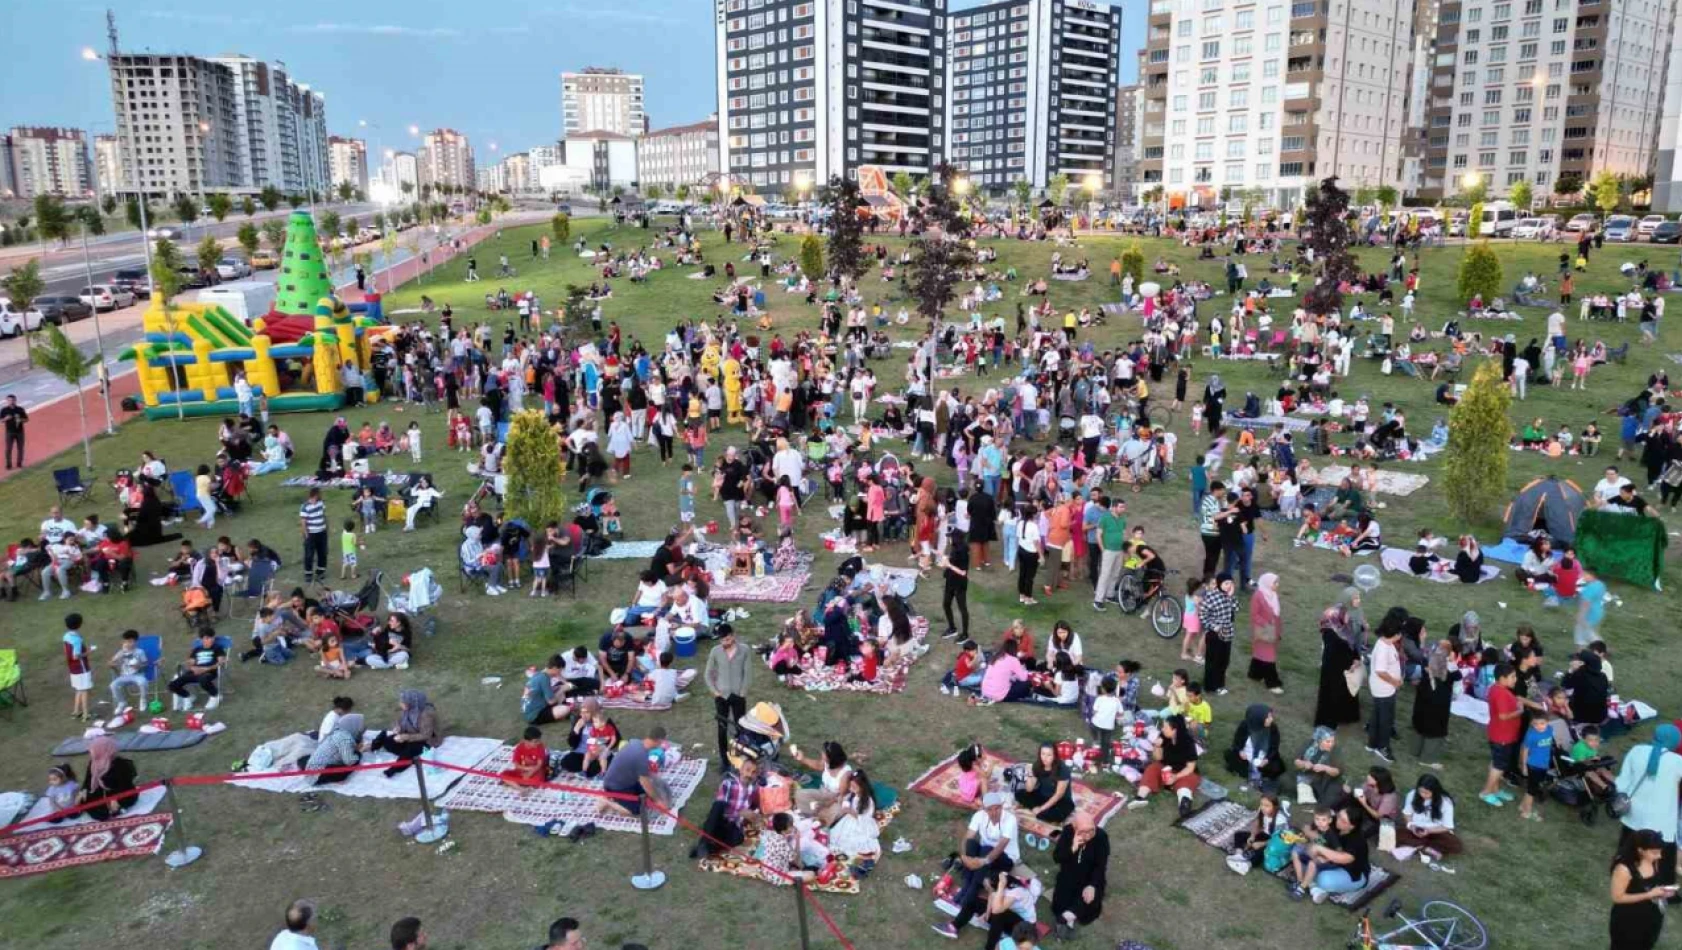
(1343, 631)
(417, 729)
(338, 748)
(1214, 398)
(1433, 698)
(1589, 689)
(1216, 612)
(333, 444)
(1650, 776)
(1467, 634)
(1267, 627)
(1318, 769)
(146, 527)
(1254, 752)
(112, 776)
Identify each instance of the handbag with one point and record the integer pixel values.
(1305, 794)
(1619, 805)
(1353, 676)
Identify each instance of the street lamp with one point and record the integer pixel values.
(1092, 185)
(91, 55)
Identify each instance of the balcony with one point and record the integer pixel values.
(915, 41)
(894, 83)
(894, 105)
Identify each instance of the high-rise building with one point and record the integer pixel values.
(284, 140)
(681, 155)
(446, 158)
(107, 165)
(348, 161)
(400, 168)
(1032, 92)
(546, 156)
(811, 89)
(600, 99)
(311, 111)
(1667, 170)
(1127, 102)
(1272, 98)
(517, 175)
(1527, 90)
(44, 160)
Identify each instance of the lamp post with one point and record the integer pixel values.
(98, 334)
(1093, 184)
(89, 54)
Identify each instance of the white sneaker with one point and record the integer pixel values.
(401, 666)
(174, 703)
(1318, 896)
(213, 702)
(64, 594)
(187, 704)
(45, 595)
(493, 591)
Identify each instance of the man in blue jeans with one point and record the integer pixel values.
(990, 847)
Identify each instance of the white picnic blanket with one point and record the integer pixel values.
(1396, 559)
(1467, 706)
(144, 804)
(465, 751)
(1389, 483)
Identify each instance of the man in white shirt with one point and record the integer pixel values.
(300, 928)
(56, 526)
(788, 463)
(1383, 680)
(989, 848)
(1605, 490)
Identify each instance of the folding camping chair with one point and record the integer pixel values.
(11, 682)
(259, 581)
(69, 483)
(186, 495)
(152, 646)
(565, 572)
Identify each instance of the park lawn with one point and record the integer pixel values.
(500, 886)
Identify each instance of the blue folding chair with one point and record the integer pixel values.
(259, 578)
(186, 494)
(69, 483)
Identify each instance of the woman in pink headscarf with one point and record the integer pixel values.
(108, 775)
(1267, 626)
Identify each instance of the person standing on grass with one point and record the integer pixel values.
(81, 669)
(1216, 612)
(1383, 680)
(14, 417)
(300, 928)
(1637, 894)
(955, 565)
(1650, 776)
(727, 676)
(1112, 546)
(312, 523)
(1503, 730)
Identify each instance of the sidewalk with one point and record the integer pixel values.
(54, 424)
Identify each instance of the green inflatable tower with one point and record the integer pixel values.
(303, 272)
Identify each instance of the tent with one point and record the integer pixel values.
(1550, 504)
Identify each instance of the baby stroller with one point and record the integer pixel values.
(354, 613)
(422, 594)
(1571, 786)
(760, 735)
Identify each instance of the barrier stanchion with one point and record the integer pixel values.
(800, 908)
(649, 879)
(184, 853)
(433, 830)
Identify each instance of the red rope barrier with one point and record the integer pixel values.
(77, 809)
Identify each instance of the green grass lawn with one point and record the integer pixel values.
(1535, 885)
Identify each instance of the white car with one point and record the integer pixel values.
(166, 233)
(1645, 226)
(1581, 224)
(1532, 229)
(14, 321)
(106, 297)
(232, 268)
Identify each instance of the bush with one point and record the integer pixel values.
(1480, 273)
(1474, 221)
(1475, 464)
(1133, 262)
(533, 466)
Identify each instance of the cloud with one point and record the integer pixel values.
(217, 19)
(606, 13)
(378, 29)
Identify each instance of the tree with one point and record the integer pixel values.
(682, 193)
(1387, 195)
(426, 193)
(484, 216)
(1024, 191)
(1475, 193)
(220, 204)
(91, 220)
(166, 282)
(846, 228)
(811, 257)
(388, 249)
(52, 219)
(1475, 464)
(60, 357)
(274, 232)
(1250, 199)
(1057, 188)
(903, 185)
(1133, 262)
(352, 227)
(561, 226)
(1480, 273)
(186, 208)
(208, 252)
(296, 201)
(532, 463)
(1568, 183)
(1521, 195)
(346, 190)
(1607, 193)
(1152, 195)
(1365, 195)
(248, 238)
(1474, 220)
(131, 210)
(940, 254)
(247, 206)
(108, 204)
(652, 190)
(329, 226)
(1326, 232)
(271, 198)
(23, 285)
(407, 187)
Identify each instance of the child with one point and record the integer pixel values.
(348, 545)
(1191, 645)
(1309, 533)
(1591, 439)
(867, 667)
(785, 659)
(1303, 868)
(368, 509)
(1175, 695)
(600, 738)
(414, 436)
(61, 788)
(1008, 527)
(1106, 706)
(971, 782)
(686, 495)
(461, 431)
(81, 669)
(1196, 418)
(1198, 714)
(333, 664)
(663, 683)
(529, 764)
(966, 671)
(1587, 749)
(540, 566)
(1534, 762)
(787, 504)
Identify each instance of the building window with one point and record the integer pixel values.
(1211, 49)
(1290, 169)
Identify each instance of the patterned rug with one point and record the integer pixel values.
(889, 679)
(51, 849)
(463, 751)
(1214, 824)
(1318, 497)
(544, 805)
(771, 588)
(639, 702)
(736, 864)
(941, 784)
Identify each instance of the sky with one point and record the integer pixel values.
(488, 68)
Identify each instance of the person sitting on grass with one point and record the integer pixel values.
(990, 849)
(1047, 794)
(1005, 681)
(1427, 819)
(1173, 765)
(1254, 753)
(737, 799)
(339, 747)
(111, 780)
(1337, 862)
(1317, 767)
(544, 699)
(528, 765)
(416, 730)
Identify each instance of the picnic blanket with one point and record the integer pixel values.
(1396, 559)
(52, 848)
(1318, 497)
(574, 805)
(1389, 483)
(1076, 276)
(463, 751)
(890, 678)
(1215, 822)
(736, 864)
(629, 550)
(640, 700)
(145, 803)
(941, 784)
(393, 480)
(770, 588)
(1291, 423)
(1510, 551)
(136, 742)
(1467, 706)
(1113, 309)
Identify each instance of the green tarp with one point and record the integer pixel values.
(1624, 546)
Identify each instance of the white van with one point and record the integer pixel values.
(1499, 219)
(246, 299)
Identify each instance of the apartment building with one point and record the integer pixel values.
(1032, 87)
(1667, 171)
(42, 160)
(107, 165)
(811, 89)
(347, 161)
(400, 168)
(517, 174)
(681, 155)
(1540, 90)
(599, 99)
(178, 128)
(1272, 96)
(1127, 104)
(446, 158)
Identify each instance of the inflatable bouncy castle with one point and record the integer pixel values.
(293, 355)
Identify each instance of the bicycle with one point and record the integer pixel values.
(1443, 925)
(1163, 610)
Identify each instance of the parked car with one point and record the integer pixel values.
(1669, 232)
(1457, 225)
(135, 280)
(1581, 223)
(192, 278)
(14, 321)
(563, 208)
(1620, 227)
(232, 268)
(1646, 225)
(264, 260)
(164, 231)
(106, 297)
(59, 309)
(1532, 229)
